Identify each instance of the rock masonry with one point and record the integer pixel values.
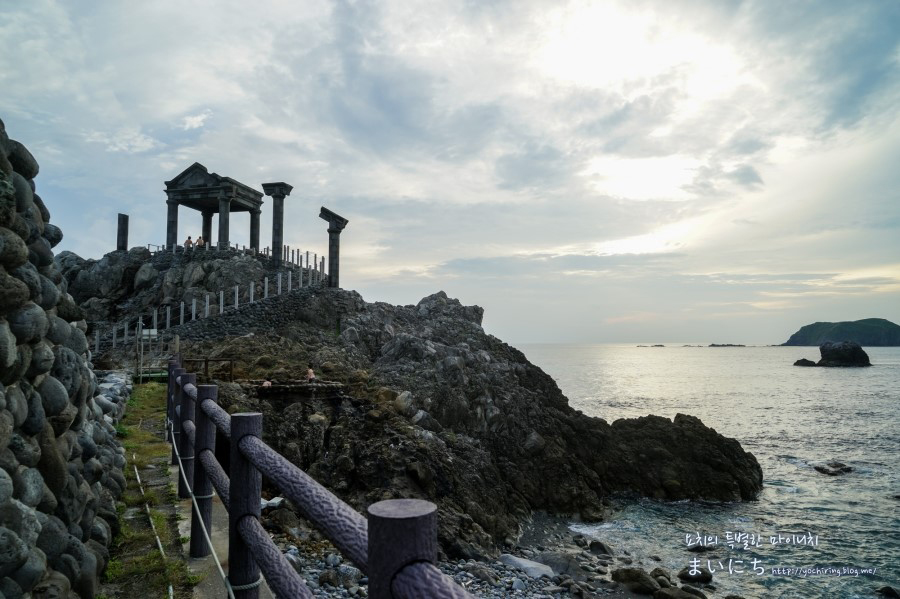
(60, 463)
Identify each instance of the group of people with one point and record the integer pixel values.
(188, 243)
(310, 377)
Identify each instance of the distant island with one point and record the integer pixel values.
(872, 332)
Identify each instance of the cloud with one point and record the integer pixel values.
(195, 121)
(130, 141)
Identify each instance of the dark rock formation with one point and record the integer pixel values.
(440, 410)
(833, 468)
(845, 353)
(871, 332)
(60, 466)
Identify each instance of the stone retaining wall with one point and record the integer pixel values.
(60, 463)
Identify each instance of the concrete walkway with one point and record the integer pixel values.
(211, 587)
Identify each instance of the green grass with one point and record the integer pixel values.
(136, 566)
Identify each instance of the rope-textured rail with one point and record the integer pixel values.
(346, 527)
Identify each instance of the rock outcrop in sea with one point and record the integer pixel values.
(841, 354)
(60, 464)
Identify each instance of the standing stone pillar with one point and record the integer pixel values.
(336, 224)
(122, 236)
(278, 191)
(224, 216)
(254, 228)
(207, 226)
(172, 224)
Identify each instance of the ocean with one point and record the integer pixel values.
(809, 534)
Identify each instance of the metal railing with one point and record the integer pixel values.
(395, 546)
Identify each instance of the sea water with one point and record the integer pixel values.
(813, 535)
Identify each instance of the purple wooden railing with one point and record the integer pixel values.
(396, 547)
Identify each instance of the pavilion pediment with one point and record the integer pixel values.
(195, 175)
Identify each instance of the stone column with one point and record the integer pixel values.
(254, 229)
(278, 191)
(122, 237)
(336, 224)
(207, 226)
(224, 217)
(172, 224)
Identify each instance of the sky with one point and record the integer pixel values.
(597, 172)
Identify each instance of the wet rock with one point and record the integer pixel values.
(804, 362)
(833, 468)
(532, 568)
(700, 574)
(636, 579)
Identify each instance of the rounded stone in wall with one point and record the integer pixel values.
(24, 194)
(6, 487)
(28, 274)
(10, 375)
(49, 293)
(7, 345)
(53, 396)
(67, 369)
(53, 234)
(39, 252)
(41, 359)
(31, 572)
(41, 207)
(6, 431)
(25, 449)
(13, 292)
(13, 251)
(53, 538)
(77, 341)
(22, 161)
(28, 485)
(13, 552)
(58, 330)
(29, 323)
(36, 416)
(16, 404)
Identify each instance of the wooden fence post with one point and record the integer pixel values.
(206, 311)
(221, 301)
(252, 289)
(168, 317)
(246, 489)
(236, 290)
(204, 439)
(176, 398)
(401, 531)
(181, 317)
(185, 447)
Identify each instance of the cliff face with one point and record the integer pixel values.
(871, 332)
(60, 465)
